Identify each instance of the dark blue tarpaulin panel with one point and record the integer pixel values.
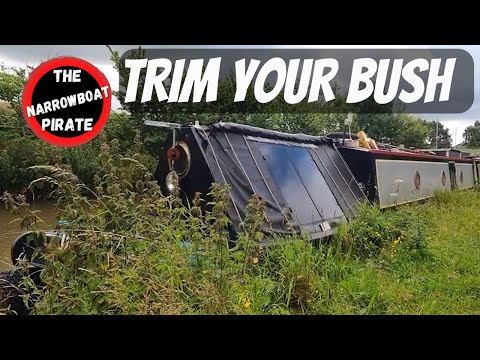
(302, 179)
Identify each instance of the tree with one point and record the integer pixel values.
(413, 132)
(444, 137)
(472, 135)
(394, 129)
(12, 82)
(384, 128)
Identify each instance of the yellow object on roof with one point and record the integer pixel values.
(366, 142)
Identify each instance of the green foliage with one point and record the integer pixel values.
(394, 129)
(444, 137)
(375, 232)
(472, 135)
(12, 82)
(133, 251)
(17, 155)
(413, 132)
(296, 268)
(442, 197)
(383, 128)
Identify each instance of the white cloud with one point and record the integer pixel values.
(457, 128)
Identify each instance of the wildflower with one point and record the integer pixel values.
(246, 302)
(396, 241)
(255, 260)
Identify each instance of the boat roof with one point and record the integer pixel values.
(418, 155)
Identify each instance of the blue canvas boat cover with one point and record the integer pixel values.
(303, 180)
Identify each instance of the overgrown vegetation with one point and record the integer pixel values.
(20, 150)
(133, 251)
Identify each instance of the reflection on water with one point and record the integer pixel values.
(10, 230)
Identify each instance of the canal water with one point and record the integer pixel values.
(9, 230)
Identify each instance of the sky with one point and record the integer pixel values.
(99, 55)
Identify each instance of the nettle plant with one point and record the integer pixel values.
(132, 250)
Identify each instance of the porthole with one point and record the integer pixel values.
(417, 180)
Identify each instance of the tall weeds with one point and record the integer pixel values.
(132, 250)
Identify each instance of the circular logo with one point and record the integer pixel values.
(67, 101)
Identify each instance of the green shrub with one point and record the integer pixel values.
(132, 250)
(17, 155)
(389, 233)
(443, 197)
(296, 267)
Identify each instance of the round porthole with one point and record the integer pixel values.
(444, 178)
(461, 176)
(417, 180)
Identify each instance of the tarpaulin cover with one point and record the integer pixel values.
(303, 180)
(248, 130)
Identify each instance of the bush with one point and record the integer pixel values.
(18, 153)
(443, 197)
(131, 250)
(385, 232)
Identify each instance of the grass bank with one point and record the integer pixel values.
(448, 280)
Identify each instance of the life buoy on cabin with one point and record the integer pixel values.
(179, 158)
